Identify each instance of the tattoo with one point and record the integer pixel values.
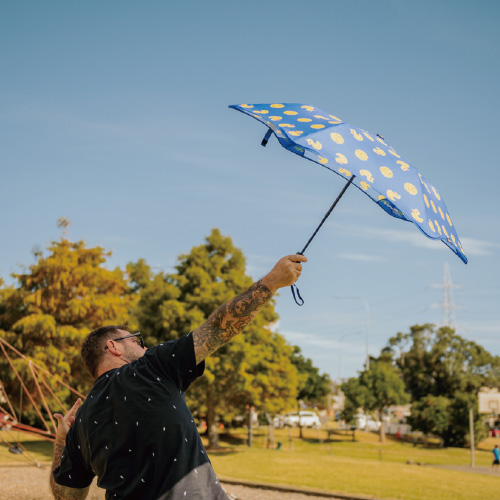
(229, 319)
(59, 491)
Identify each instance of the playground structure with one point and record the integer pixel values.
(10, 420)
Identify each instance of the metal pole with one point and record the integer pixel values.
(471, 424)
(367, 329)
(340, 352)
(328, 213)
(367, 325)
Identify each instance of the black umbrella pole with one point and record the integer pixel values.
(328, 213)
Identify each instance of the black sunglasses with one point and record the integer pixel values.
(136, 336)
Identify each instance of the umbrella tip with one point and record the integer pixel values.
(383, 138)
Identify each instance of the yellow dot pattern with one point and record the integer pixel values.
(337, 138)
(380, 171)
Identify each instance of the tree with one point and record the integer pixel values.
(376, 389)
(313, 387)
(431, 415)
(254, 368)
(54, 304)
(437, 363)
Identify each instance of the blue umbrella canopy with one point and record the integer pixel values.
(363, 158)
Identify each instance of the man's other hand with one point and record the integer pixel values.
(64, 423)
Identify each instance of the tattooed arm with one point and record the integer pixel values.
(59, 491)
(232, 317)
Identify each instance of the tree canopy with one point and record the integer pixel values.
(54, 303)
(255, 368)
(443, 373)
(69, 290)
(376, 389)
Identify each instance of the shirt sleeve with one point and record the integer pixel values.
(72, 471)
(176, 360)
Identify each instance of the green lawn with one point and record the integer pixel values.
(36, 448)
(362, 467)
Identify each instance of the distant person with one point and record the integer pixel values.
(134, 430)
(496, 458)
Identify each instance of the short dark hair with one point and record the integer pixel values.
(94, 343)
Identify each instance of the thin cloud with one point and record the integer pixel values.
(300, 338)
(488, 327)
(310, 339)
(472, 246)
(479, 247)
(258, 265)
(361, 257)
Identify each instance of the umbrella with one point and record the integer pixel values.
(362, 158)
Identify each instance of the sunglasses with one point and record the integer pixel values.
(136, 337)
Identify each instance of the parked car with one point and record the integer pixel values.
(307, 419)
(367, 423)
(279, 421)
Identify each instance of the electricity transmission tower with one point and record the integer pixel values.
(447, 304)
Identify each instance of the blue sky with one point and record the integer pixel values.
(114, 115)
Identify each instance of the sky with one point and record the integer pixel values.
(115, 115)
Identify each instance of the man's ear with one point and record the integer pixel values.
(114, 348)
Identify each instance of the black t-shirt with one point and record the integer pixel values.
(136, 434)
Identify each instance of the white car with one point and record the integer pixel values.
(307, 419)
(366, 423)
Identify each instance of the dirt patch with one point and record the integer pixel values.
(20, 482)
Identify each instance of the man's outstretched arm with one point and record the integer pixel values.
(232, 317)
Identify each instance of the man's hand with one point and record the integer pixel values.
(65, 423)
(285, 273)
(232, 317)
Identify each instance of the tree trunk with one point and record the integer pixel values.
(381, 430)
(300, 423)
(250, 426)
(213, 435)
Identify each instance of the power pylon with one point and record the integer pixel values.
(447, 304)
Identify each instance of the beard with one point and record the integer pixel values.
(131, 354)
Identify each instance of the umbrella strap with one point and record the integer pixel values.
(301, 303)
(266, 137)
(295, 289)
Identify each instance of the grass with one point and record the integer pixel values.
(363, 467)
(36, 448)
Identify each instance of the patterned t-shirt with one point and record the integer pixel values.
(136, 434)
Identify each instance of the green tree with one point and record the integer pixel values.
(254, 368)
(313, 387)
(376, 389)
(53, 305)
(438, 363)
(431, 415)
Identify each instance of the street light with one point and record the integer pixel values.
(340, 351)
(367, 323)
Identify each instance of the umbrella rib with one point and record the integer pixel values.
(328, 213)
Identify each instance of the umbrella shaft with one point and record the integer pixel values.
(328, 213)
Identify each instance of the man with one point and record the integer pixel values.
(134, 431)
(496, 458)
